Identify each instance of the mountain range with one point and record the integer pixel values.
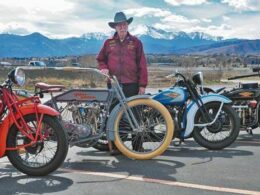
(154, 40)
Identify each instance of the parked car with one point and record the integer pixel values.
(37, 63)
(5, 64)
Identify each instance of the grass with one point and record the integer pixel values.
(76, 79)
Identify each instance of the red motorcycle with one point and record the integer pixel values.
(31, 135)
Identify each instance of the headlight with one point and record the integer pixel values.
(198, 78)
(17, 76)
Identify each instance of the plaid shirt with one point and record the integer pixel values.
(125, 60)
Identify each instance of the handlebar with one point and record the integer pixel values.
(176, 75)
(6, 83)
(244, 76)
(181, 75)
(87, 69)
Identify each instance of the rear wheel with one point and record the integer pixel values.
(155, 132)
(43, 157)
(220, 134)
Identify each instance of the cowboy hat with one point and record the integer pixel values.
(120, 17)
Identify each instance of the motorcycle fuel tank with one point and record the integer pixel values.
(172, 96)
(242, 94)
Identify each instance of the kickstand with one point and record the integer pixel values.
(249, 131)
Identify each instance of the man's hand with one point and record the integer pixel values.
(104, 71)
(141, 90)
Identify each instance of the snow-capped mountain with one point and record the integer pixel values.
(95, 35)
(144, 30)
(154, 41)
(201, 35)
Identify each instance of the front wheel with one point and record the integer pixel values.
(43, 157)
(220, 134)
(154, 134)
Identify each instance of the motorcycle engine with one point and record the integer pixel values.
(247, 112)
(76, 131)
(84, 120)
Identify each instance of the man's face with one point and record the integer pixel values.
(121, 29)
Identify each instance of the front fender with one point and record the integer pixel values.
(192, 109)
(112, 117)
(43, 109)
(25, 110)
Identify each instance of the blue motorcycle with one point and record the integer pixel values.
(208, 118)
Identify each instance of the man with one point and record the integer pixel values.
(122, 55)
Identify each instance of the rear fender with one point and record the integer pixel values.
(25, 110)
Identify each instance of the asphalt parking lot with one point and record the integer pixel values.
(186, 169)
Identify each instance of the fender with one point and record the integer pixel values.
(192, 109)
(25, 110)
(112, 117)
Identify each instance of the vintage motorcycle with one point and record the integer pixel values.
(208, 118)
(246, 102)
(31, 135)
(134, 123)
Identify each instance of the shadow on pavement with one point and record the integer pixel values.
(14, 182)
(253, 139)
(158, 168)
(162, 167)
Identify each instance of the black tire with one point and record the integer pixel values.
(208, 136)
(26, 159)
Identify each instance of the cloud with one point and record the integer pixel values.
(185, 2)
(14, 28)
(36, 6)
(179, 19)
(206, 20)
(225, 18)
(147, 11)
(166, 20)
(176, 23)
(233, 26)
(65, 18)
(210, 11)
(243, 5)
(244, 27)
(24, 17)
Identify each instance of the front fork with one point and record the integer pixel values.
(208, 119)
(202, 108)
(128, 111)
(25, 129)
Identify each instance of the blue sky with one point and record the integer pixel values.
(66, 18)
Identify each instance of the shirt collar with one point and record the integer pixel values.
(128, 36)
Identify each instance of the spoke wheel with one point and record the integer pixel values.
(220, 134)
(44, 156)
(154, 134)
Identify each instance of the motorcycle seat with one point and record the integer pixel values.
(49, 88)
